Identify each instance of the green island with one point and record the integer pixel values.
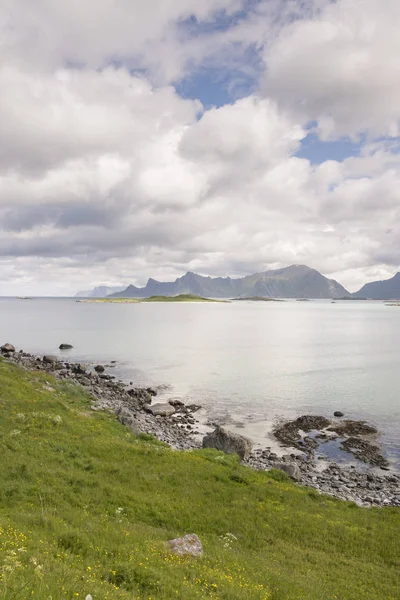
(86, 507)
(180, 298)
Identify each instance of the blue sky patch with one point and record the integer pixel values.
(317, 151)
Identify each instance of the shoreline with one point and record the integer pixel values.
(175, 424)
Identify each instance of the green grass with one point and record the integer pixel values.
(180, 298)
(86, 507)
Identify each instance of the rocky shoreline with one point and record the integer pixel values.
(175, 424)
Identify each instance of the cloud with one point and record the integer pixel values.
(108, 175)
(340, 68)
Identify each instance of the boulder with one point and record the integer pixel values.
(65, 346)
(99, 369)
(126, 418)
(79, 369)
(188, 545)
(176, 402)
(142, 396)
(49, 359)
(290, 468)
(7, 348)
(337, 413)
(161, 410)
(228, 442)
(151, 391)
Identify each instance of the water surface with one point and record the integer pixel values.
(249, 363)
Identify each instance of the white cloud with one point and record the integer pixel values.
(110, 177)
(340, 68)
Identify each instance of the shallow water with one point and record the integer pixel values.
(247, 363)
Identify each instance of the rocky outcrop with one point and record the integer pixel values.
(160, 410)
(291, 469)
(126, 418)
(50, 359)
(6, 348)
(188, 545)
(65, 347)
(228, 442)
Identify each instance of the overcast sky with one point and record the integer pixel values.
(224, 137)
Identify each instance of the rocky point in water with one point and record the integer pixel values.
(356, 437)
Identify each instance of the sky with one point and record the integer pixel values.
(225, 137)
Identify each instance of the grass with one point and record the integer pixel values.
(180, 298)
(86, 508)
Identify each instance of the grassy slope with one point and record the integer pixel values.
(85, 507)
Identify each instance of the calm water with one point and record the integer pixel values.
(250, 363)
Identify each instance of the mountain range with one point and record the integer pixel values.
(388, 289)
(296, 281)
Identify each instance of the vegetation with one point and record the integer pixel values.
(86, 508)
(180, 298)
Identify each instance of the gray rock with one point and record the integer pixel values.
(228, 442)
(126, 418)
(49, 359)
(99, 369)
(176, 402)
(7, 348)
(65, 346)
(162, 410)
(337, 413)
(290, 468)
(79, 369)
(189, 545)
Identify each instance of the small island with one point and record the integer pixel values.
(179, 298)
(258, 299)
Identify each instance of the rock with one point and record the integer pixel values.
(49, 359)
(65, 346)
(99, 369)
(337, 413)
(194, 407)
(141, 396)
(176, 402)
(79, 369)
(290, 468)
(189, 545)
(7, 348)
(228, 442)
(161, 410)
(126, 418)
(151, 391)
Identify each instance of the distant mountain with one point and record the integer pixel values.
(297, 281)
(100, 292)
(388, 289)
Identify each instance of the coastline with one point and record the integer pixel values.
(178, 427)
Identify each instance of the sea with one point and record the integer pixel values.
(250, 365)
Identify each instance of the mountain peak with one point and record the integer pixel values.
(381, 290)
(295, 281)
